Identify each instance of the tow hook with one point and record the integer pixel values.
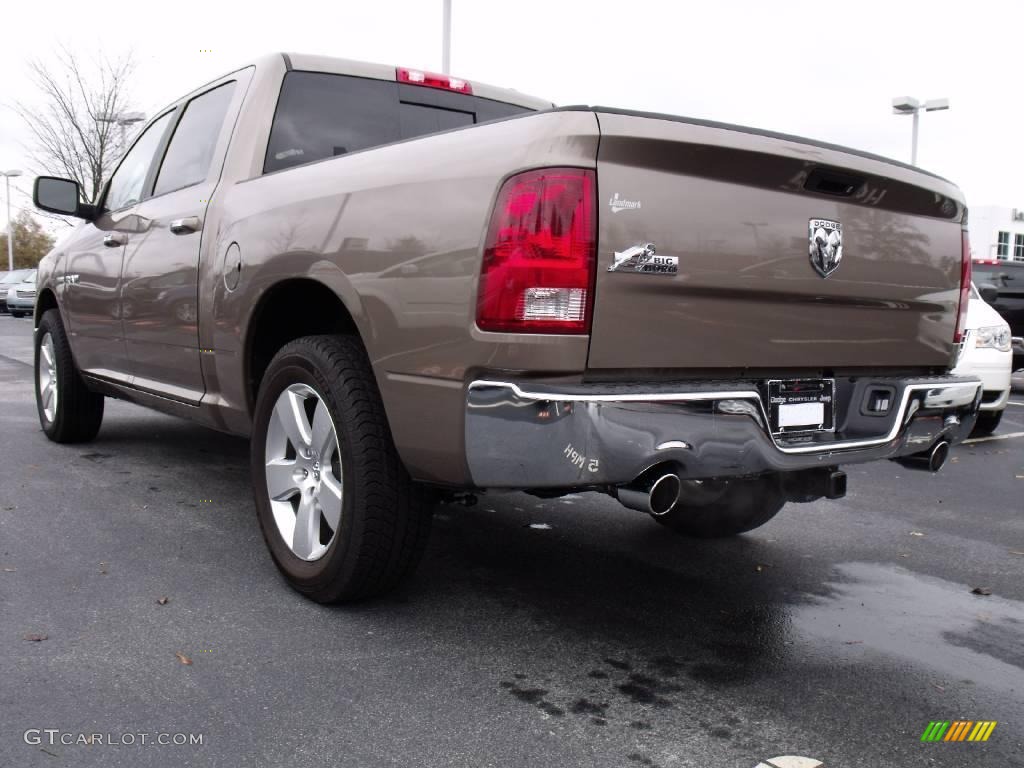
(813, 484)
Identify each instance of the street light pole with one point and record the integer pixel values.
(913, 138)
(10, 224)
(904, 105)
(446, 38)
(123, 121)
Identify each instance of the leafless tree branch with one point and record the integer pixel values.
(69, 137)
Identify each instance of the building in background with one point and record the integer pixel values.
(996, 232)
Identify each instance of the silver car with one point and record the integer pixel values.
(21, 297)
(8, 280)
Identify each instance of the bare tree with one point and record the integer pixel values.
(73, 129)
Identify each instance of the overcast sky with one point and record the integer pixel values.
(822, 70)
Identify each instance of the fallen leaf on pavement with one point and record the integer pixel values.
(35, 638)
(761, 566)
(12, 570)
(916, 533)
(981, 591)
(853, 642)
(938, 688)
(540, 526)
(182, 657)
(103, 568)
(1015, 552)
(163, 600)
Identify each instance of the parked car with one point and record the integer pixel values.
(585, 306)
(21, 297)
(9, 280)
(985, 352)
(1001, 284)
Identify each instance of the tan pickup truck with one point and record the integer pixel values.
(398, 283)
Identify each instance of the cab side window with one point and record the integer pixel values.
(190, 152)
(127, 182)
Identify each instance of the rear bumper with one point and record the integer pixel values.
(527, 435)
(994, 400)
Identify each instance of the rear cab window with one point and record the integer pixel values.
(322, 115)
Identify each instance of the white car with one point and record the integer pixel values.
(985, 352)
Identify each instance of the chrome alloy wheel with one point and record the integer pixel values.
(303, 469)
(47, 377)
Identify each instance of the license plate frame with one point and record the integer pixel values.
(791, 402)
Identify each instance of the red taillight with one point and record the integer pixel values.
(965, 288)
(432, 80)
(539, 256)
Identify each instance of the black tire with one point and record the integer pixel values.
(15, 313)
(733, 507)
(987, 423)
(79, 411)
(385, 518)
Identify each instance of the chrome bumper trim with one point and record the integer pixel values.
(529, 436)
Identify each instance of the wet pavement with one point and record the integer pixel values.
(557, 632)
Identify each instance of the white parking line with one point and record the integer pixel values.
(1014, 402)
(993, 437)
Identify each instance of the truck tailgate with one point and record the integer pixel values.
(735, 208)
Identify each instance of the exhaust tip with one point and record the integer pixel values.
(664, 494)
(931, 460)
(938, 456)
(655, 497)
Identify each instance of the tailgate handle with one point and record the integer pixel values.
(835, 183)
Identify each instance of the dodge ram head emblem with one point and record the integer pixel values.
(642, 258)
(826, 245)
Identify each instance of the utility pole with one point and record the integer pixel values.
(446, 38)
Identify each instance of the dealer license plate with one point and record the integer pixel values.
(801, 405)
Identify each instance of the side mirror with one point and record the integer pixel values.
(60, 196)
(989, 293)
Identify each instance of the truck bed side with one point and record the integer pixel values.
(396, 232)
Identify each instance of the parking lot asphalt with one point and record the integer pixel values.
(565, 632)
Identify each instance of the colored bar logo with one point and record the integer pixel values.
(959, 730)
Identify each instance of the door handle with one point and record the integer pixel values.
(115, 239)
(185, 226)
